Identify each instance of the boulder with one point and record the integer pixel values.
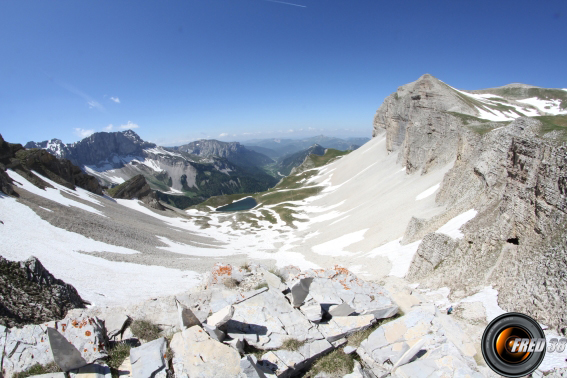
(32, 295)
(214, 332)
(187, 318)
(273, 281)
(341, 310)
(65, 354)
(221, 317)
(25, 347)
(197, 355)
(299, 290)
(87, 334)
(249, 367)
(148, 359)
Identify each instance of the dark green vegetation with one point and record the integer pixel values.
(38, 369)
(279, 198)
(117, 353)
(516, 93)
(244, 204)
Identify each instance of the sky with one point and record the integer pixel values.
(179, 70)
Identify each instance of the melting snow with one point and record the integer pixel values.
(336, 246)
(489, 298)
(399, 255)
(25, 234)
(547, 106)
(54, 194)
(452, 228)
(427, 192)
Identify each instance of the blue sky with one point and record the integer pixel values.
(176, 71)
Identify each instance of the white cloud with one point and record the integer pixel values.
(128, 126)
(83, 133)
(109, 127)
(290, 131)
(95, 105)
(222, 135)
(115, 99)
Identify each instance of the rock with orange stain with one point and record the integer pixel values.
(223, 272)
(85, 333)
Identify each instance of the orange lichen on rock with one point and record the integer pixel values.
(221, 270)
(88, 333)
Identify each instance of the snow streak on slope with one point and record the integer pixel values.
(428, 192)
(54, 194)
(97, 280)
(546, 106)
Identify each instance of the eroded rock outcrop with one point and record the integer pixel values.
(518, 184)
(137, 187)
(29, 294)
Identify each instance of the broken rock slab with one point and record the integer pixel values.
(249, 367)
(148, 359)
(214, 332)
(299, 290)
(24, 347)
(187, 318)
(273, 281)
(341, 310)
(196, 354)
(221, 317)
(342, 326)
(65, 354)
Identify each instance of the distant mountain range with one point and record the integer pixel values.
(188, 174)
(277, 148)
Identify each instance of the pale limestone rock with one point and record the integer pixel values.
(340, 327)
(197, 355)
(115, 324)
(221, 317)
(341, 310)
(148, 359)
(186, 317)
(273, 281)
(299, 291)
(214, 332)
(248, 365)
(65, 354)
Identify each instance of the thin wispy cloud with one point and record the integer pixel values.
(110, 127)
(83, 133)
(128, 126)
(286, 3)
(222, 135)
(115, 99)
(91, 102)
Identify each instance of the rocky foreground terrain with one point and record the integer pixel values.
(249, 322)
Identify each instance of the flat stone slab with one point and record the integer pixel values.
(92, 371)
(65, 355)
(148, 359)
(196, 354)
(221, 317)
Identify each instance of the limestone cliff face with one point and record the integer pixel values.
(517, 243)
(416, 122)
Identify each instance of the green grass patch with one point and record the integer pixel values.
(267, 216)
(292, 344)
(358, 337)
(553, 123)
(335, 364)
(273, 198)
(330, 155)
(145, 330)
(286, 214)
(38, 369)
(117, 353)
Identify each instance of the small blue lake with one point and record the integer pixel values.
(244, 204)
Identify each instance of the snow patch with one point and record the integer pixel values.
(399, 255)
(336, 246)
(427, 192)
(54, 194)
(489, 299)
(545, 106)
(452, 228)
